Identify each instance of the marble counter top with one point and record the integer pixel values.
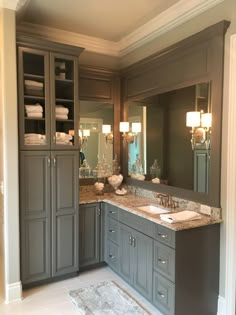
(130, 202)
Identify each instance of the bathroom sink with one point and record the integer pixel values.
(153, 209)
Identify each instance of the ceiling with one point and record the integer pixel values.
(104, 19)
(107, 27)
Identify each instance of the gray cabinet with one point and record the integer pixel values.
(89, 234)
(136, 251)
(49, 214)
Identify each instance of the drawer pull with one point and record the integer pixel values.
(134, 241)
(161, 294)
(130, 240)
(112, 231)
(112, 256)
(162, 235)
(112, 212)
(162, 261)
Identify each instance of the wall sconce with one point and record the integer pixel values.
(106, 130)
(201, 128)
(130, 136)
(84, 134)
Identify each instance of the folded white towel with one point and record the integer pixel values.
(32, 83)
(34, 115)
(63, 136)
(61, 116)
(63, 142)
(34, 136)
(29, 141)
(61, 110)
(182, 216)
(34, 108)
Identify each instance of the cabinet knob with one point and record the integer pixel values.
(112, 212)
(54, 162)
(98, 211)
(112, 231)
(130, 240)
(162, 235)
(112, 256)
(162, 261)
(161, 294)
(134, 242)
(49, 162)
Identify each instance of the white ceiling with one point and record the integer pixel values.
(104, 19)
(107, 27)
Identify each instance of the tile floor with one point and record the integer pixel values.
(53, 299)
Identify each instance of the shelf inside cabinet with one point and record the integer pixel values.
(34, 97)
(34, 77)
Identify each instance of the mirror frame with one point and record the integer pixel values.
(154, 75)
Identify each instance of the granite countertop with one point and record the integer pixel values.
(130, 202)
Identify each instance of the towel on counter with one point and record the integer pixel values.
(61, 110)
(182, 216)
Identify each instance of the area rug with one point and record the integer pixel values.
(105, 298)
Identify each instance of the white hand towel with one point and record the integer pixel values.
(34, 136)
(61, 116)
(34, 108)
(182, 216)
(33, 83)
(61, 110)
(34, 115)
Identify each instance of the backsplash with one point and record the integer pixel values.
(182, 203)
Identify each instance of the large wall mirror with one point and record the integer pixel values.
(174, 151)
(96, 141)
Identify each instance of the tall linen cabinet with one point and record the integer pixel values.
(49, 158)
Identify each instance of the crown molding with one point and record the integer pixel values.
(12, 4)
(90, 43)
(177, 14)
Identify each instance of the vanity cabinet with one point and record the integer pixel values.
(89, 234)
(178, 271)
(49, 214)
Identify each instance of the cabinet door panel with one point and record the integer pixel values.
(35, 250)
(65, 212)
(143, 257)
(35, 184)
(126, 253)
(89, 234)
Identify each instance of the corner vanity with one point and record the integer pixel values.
(174, 266)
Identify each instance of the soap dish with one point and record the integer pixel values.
(121, 192)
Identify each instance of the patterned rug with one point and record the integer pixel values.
(105, 298)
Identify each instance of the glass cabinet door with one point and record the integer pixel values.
(33, 86)
(64, 101)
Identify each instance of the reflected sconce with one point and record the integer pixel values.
(106, 130)
(84, 134)
(130, 136)
(200, 123)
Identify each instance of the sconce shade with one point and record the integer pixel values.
(206, 120)
(106, 129)
(193, 119)
(136, 127)
(86, 132)
(124, 126)
(80, 133)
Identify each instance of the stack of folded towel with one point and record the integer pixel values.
(34, 139)
(182, 216)
(61, 112)
(34, 111)
(34, 87)
(63, 138)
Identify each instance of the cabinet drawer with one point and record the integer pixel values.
(112, 211)
(163, 294)
(164, 235)
(113, 230)
(138, 223)
(113, 255)
(164, 260)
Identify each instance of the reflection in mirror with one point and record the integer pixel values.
(164, 148)
(95, 145)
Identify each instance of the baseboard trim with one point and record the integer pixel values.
(221, 306)
(13, 292)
